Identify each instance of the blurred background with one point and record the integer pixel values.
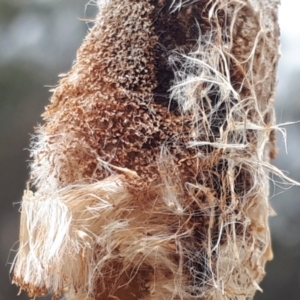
(38, 41)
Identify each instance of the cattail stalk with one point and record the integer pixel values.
(150, 172)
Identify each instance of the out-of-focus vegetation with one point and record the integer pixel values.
(38, 40)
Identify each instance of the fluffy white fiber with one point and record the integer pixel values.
(99, 227)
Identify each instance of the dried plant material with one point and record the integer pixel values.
(151, 169)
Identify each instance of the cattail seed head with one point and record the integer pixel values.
(151, 168)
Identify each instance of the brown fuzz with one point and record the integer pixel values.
(151, 169)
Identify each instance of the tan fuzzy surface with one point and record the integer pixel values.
(149, 177)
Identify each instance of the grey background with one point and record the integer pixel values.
(38, 41)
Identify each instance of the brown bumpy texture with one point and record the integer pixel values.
(151, 169)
